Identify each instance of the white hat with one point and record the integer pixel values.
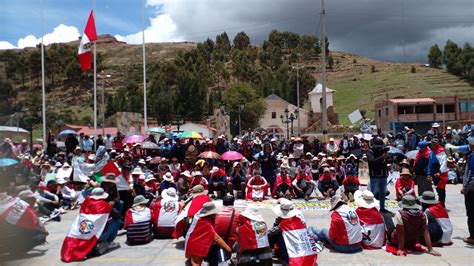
(110, 178)
(365, 199)
(137, 171)
(186, 173)
(168, 177)
(214, 169)
(197, 173)
(322, 154)
(331, 139)
(285, 209)
(66, 165)
(435, 125)
(98, 194)
(149, 178)
(126, 149)
(139, 200)
(253, 214)
(207, 209)
(61, 181)
(141, 161)
(142, 177)
(58, 164)
(273, 139)
(235, 164)
(169, 193)
(91, 157)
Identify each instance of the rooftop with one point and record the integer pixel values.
(319, 89)
(413, 100)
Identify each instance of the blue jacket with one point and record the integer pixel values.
(469, 177)
(433, 164)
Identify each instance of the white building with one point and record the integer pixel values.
(271, 120)
(316, 98)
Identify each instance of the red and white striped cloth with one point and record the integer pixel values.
(301, 247)
(252, 234)
(442, 217)
(345, 228)
(17, 212)
(85, 230)
(373, 227)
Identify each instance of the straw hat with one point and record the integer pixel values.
(149, 178)
(405, 171)
(141, 161)
(435, 125)
(26, 194)
(110, 178)
(450, 160)
(186, 173)
(198, 190)
(207, 209)
(168, 177)
(169, 194)
(98, 194)
(285, 209)
(91, 157)
(352, 156)
(365, 199)
(137, 171)
(335, 201)
(139, 200)
(197, 173)
(253, 214)
(428, 197)
(409, 202)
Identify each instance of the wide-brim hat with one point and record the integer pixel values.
(285, 209)
(98, 194)
(365, 199)
(253, 214)
(137, 171)
(209, 208)
(57, 164)
(110, 178)
(409, 202)
(91, 157)
(352, 156)
(198, 190)
(139, 200)
(428, 197)
(186, 173)
(169, 193)
(149, 178)
(168, 177)
(405, 171)
(141, 161)
(61, 181)
(336, 201)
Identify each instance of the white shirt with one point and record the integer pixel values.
(123, 184)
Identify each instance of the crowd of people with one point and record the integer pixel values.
(169, 192)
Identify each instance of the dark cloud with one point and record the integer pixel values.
(374, 28)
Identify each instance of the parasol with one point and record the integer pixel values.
(232, 156)
(4, 162)
(411, 154)
(148, 145)
(209, 155)
(67, 132)
(190, 135)
(135, 139)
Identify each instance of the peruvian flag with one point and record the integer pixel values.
(199, 238)
(302, 249)
(442, 217)
(189, 210)
(165, 212)
(373, 227)
(109, 168)
(85, 230)
(85, 52)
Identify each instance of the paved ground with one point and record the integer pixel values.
(170, 252)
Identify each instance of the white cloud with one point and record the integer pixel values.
(162, 29)
(6, 45)
(62, 33)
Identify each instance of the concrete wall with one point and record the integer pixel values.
(279, 107)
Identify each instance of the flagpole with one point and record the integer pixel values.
(95, 85)
(42, 80)
(145, 118)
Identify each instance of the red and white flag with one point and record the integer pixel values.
(166, 212)
(85, 230)
(189, 210)
(302, 249)
(85, 51)
(442, 217)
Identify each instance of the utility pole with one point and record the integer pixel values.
(43, 91)
(145, 117)
(323, 74)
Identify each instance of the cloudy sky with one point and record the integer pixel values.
(374, 28)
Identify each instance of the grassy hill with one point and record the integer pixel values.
(359, 81)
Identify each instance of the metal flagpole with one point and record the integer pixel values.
(323, 74)
(42, 79)
(95, 85)
(145, 118)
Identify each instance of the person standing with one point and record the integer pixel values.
(423, 181)
(378, 173)
(468, 191)
(438, 169)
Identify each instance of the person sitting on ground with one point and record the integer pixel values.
(198, 196)
(138, 222)
(48, 201)
(303, 184)
(257, 187)
(198, 179)
(165, 212)
(283, 187)
(21, 229)
(237, 178)
(168, 182)
(288, 229)
(345, 231)
(373, 227)
(327, 184)
(217, 182)
(439, 224)
(91, 222)
(410, 226)
(151, 188)
(253, 245)
(227, 220)
(184, 184)
(350, 184)
(202, 235)
(67, 192)
(404, 184)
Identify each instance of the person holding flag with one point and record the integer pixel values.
(88, 234)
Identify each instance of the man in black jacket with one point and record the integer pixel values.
(378, 172)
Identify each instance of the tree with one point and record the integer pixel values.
(435, 56)
(191, 95)
(8, 96)
(468, 61)
(330, 62)
(241, 41)
(326, 45)
(309, 46)
(254, 104)
(451, 56)
(223, 43)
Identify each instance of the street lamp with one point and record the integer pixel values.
(179, 122)
(288, 119)
(103, 77)
(240, 109)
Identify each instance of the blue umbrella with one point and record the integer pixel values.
(4, 162)
(67, 132)
(158, 130)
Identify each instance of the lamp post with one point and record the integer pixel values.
(179, 122)
(103, 77)
(240, 109)
(288, 119)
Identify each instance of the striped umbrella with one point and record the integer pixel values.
(209, 155)
(190, 135)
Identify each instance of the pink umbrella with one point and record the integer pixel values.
(135, 139)
(232, 156)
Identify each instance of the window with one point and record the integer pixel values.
(424, 109)
(380, 113)
(274, 115)
(405, 109)
(386, 111)
(448, 108)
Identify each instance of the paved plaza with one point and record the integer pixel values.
(170, 252)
